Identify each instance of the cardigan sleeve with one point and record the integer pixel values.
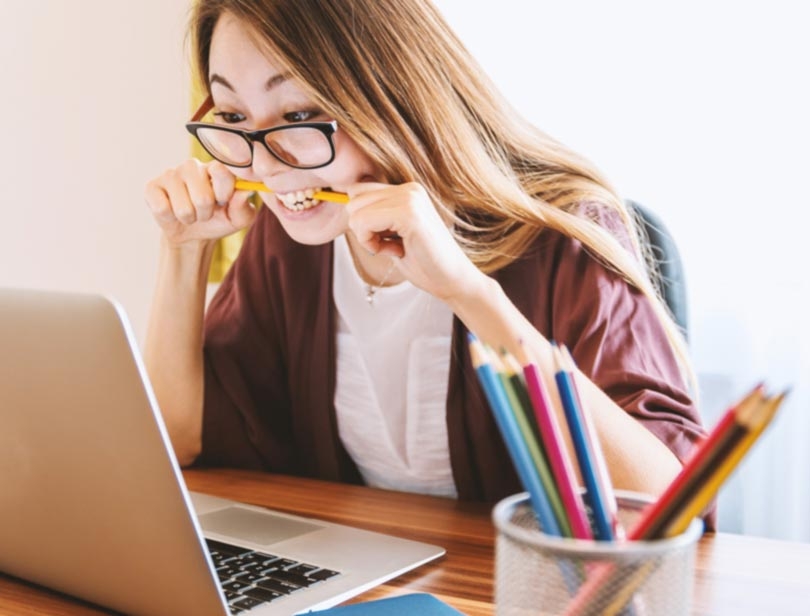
(246, 412)
(617, 339)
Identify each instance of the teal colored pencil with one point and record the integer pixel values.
(518, 398)
(515, 444)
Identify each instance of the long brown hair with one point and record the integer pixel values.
(402, 85)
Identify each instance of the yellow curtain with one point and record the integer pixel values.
(227, 248)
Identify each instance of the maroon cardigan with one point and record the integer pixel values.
(270, 360)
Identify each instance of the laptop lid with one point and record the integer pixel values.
(93, 503)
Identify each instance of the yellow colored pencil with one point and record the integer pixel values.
(323, 195)
(624, 595)
(703, 497)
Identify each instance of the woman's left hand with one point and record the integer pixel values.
(402, 221)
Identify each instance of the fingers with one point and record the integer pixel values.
(191, 192)
(380, 215)
(241, 210)
(158, 201)
(201, 200)
(222, 182)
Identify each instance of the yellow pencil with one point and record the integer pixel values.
(758, 422)
(624, 595)
(323, 195)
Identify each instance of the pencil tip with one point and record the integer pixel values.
(556, 357)
(569, 359)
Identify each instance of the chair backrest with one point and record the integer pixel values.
(671, 281)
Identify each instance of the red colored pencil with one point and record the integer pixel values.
(656, 517)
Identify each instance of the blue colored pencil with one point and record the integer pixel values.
(585, 456)
(602, 475)
(518, 451)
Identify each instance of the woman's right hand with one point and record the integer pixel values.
(197, 202)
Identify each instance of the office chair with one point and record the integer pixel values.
(671, 281)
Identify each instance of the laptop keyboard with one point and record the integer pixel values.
(250, 578)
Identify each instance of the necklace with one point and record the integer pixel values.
(371, 290)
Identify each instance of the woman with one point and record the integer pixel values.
(336, 345)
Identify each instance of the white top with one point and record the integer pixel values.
(393, 363)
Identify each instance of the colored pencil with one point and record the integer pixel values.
(521, 405)
(518, 380)
(756, 424)
(323, 195)
(510, 432)
(656, 517)
(602, 525)
(602, 474)
(621, 600)
(551, 435)
(714, 461)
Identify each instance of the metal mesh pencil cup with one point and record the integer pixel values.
(538, 574)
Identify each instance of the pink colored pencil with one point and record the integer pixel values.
(559, 460)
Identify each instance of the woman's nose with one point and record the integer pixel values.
(265, 165)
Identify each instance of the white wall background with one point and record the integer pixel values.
(698, 109)
(93, 100)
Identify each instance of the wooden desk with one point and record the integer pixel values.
(736, 575)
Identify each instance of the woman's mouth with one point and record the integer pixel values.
(299, 200)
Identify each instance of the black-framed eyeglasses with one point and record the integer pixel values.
(304, 145)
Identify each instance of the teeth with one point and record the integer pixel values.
(299, 200)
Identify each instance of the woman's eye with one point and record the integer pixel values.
(230, 117)
(300, 116)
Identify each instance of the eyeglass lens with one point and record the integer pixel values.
(300, 146)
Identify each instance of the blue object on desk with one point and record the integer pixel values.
(422, 604)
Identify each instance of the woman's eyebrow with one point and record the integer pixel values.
(274, 81)
(215, 78)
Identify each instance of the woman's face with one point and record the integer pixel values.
(251, 93)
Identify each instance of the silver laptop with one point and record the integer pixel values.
(93, 504)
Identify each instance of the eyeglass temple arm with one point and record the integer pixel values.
(204, 108)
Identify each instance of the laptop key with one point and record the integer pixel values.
(226, 548)
(246, 603)
(228, 571)
(262, 594)
(323, 574)
(277, 586)
(293, 578)
(234, 586)
(303, 569)
(249, 578)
